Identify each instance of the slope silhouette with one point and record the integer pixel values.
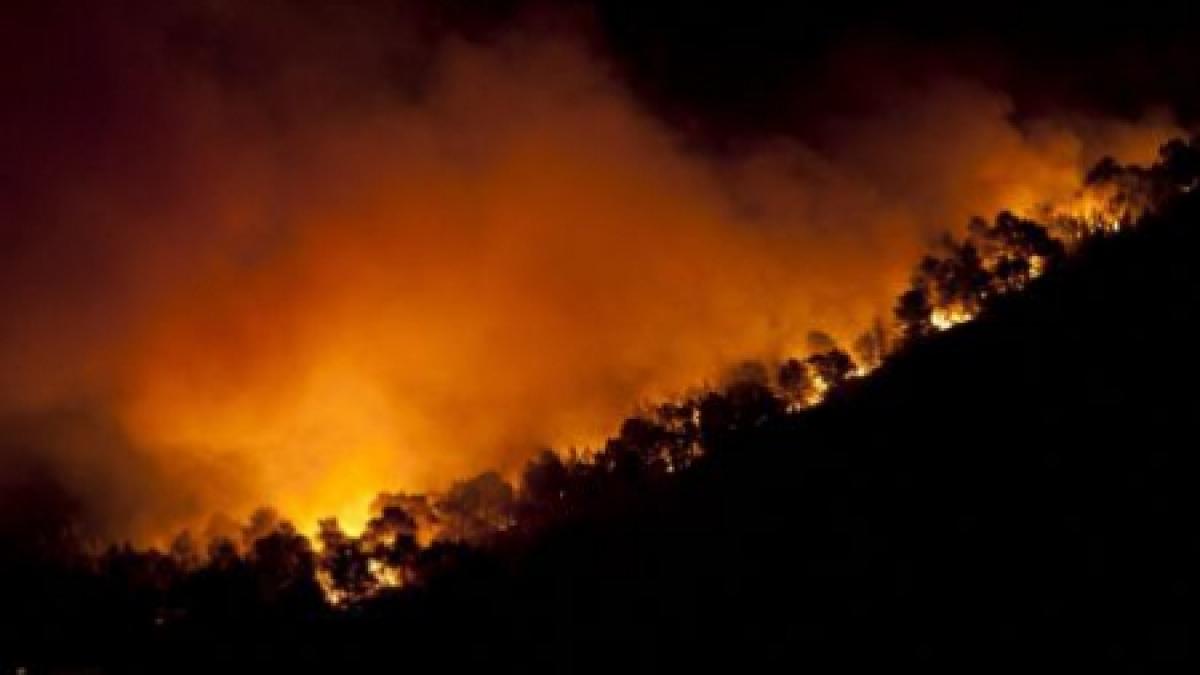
(1017, 491)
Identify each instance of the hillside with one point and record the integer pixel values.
(1018, 490)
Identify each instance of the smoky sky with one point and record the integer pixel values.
(298, 253)
(731, 69)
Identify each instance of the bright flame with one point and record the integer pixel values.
(386, 576)
(1091, 210)
(393, 288)
(944, 318)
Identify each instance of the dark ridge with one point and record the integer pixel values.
(1019, 490)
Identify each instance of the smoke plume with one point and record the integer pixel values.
(271, 254)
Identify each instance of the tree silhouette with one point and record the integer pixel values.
(914, 313)
(284, 563)
(795, 382)
(1179, 163)
(832, 367)
(544, 489)
(680, 422)
(347, 567)
(475, 509)
(871, 347)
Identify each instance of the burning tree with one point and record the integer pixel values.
(474, 509)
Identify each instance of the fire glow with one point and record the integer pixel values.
(305, 305)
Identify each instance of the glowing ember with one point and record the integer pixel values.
(944, 318)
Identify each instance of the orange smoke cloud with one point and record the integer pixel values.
(309, 287)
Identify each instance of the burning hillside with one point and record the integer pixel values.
(557, 333)
(801, 490)
(407, 537)
(297, 257)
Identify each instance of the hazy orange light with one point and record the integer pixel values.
(302, 305)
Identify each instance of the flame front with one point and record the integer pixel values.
(303, 305)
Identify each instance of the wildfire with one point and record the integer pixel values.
(396, 292)
(333, 595)
(944, 318)
(386, 576)
(1094, 209)
(997, 257)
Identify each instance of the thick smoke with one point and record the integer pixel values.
(267, 254)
